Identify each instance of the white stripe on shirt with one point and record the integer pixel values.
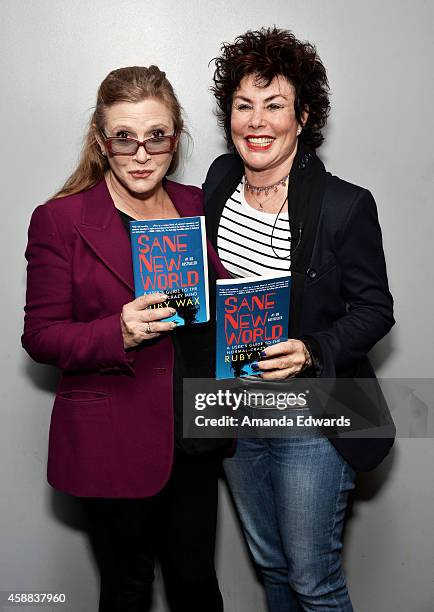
(247, 242)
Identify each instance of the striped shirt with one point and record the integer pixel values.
(251, 242)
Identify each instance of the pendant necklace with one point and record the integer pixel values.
(266, 188)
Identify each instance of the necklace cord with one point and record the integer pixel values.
(300, 227)
(274, 227)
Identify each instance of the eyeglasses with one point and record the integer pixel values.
(157, 145)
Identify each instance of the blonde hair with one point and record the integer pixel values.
(131, 84)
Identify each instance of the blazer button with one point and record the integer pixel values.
(311, 273)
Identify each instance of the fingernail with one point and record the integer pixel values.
(255, 366)
(172, 311)
(174, 323)
(263, 354)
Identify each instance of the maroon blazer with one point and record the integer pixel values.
(111, 432)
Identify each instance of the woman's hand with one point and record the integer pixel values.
(283, 360)
(139, 324)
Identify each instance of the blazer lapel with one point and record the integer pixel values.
(215, 202)
(305, 203)
(102, 230)
(183, 199)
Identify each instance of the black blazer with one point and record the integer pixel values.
(340, 300)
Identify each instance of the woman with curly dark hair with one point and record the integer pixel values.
(272, 207)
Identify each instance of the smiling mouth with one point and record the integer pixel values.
(259, 143)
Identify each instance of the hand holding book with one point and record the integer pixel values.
(139, 322)
(252, 319)
(283, 360)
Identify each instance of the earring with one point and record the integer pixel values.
(299, 130)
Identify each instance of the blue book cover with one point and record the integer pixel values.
(252, 313)
(169, 256)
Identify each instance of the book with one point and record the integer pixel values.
(169, 256)
(252, 313)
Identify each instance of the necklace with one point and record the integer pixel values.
(273, 230)
(271, 198)
(261, 206)
(267, 188)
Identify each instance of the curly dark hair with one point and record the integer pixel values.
(267, 53)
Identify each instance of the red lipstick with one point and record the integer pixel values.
(259, 142)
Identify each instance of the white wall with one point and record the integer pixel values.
(379, 55)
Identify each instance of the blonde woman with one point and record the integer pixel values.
(146, 493)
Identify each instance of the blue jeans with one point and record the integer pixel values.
(291, 495)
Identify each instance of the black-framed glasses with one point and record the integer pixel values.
(157, 145)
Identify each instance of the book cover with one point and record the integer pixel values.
(169, 256)
(252, 313)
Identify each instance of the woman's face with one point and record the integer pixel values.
(140, 174)
(263, 123)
